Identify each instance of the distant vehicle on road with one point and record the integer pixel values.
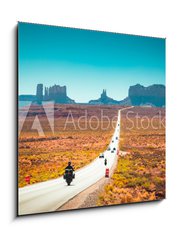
(116, 138)
(114, 149)
(101, 155)
(109, 149)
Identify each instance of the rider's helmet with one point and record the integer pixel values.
(69, 163)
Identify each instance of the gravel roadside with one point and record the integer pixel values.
(89, 197)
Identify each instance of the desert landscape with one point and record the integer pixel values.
(86, 132)
(91, 118)
(79, 139)
(140, 173)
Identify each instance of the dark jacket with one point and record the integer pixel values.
(69, 167)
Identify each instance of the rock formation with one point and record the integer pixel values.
(153, 95)
(54, 93)
(104, 99)
(57, 93)
(39, 93)
(138, 95)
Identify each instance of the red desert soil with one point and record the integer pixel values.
(78, 136)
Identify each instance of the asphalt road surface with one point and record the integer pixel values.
(50, 195)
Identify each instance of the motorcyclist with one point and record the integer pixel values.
(69, 166)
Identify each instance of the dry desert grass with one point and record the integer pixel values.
(140, 174)
(45, 158)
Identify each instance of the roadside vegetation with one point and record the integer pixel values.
(44, 158)
(140, 174)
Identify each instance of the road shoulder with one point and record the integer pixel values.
(89, 197)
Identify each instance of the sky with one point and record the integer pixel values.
(87, 61)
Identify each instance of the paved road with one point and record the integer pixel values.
(50, 195)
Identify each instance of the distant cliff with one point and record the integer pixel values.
(54, 93)
(58, 94)
(153, 95)
(138, 95)
(104, 99)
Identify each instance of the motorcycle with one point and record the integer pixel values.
(69, 175)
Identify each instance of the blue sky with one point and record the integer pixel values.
(87, 61)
